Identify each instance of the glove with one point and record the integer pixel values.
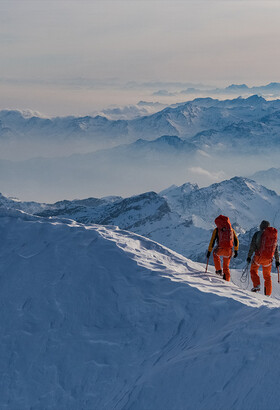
(248, 259)
(235, 254)
(277, 263)
(208, 254)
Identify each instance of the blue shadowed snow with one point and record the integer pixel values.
(99, 318)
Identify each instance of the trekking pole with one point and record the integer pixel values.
(208, 262)
(245, 273)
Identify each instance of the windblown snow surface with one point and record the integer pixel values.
(94, 317)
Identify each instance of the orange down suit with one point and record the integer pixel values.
(225, 253)
(258, 261)
(266, 268)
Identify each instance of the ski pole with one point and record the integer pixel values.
(278, 274)
(208, 262)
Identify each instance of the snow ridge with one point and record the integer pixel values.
(96, 317)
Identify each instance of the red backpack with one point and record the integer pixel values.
(268, 243)
(225, 232)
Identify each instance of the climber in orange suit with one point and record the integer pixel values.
(226, 238)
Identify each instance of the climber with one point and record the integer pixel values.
(264, 244)
(226, 238)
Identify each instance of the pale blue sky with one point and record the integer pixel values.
(75, 56)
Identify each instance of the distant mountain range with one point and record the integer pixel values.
(269, 90)
(203, 141)
(180, 218)
(272, 88)
(243, 117)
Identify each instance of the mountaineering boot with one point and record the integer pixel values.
(266, 293)
(256, 288)
(219, 272)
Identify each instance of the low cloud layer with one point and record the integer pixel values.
(204, 174)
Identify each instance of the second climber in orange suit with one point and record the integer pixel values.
(223, 247)
(258, 248)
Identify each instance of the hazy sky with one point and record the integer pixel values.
(72, 57)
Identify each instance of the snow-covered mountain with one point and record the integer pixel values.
(14, 203)
(36, 207)
(203, 141)
(94, 317)
(180, 218)
(184, 120)
(243, 200)
(60, 127)
(246, 137)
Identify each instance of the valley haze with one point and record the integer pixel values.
(202, 141)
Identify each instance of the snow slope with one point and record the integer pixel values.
(93, 317)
